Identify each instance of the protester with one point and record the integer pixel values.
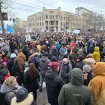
(54, 83)
(96, 54)
(44, 61)
(63, 51)
(79, 62)
(21, 57)
(9, 87)
(31, 80)
(65, 68)
(87, 74)
(75, 93)
(97, 84)
(18, 71)
(11, 63)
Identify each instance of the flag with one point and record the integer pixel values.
(10, 29)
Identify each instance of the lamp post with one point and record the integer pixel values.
(1, 18)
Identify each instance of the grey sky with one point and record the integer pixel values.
(32, 6)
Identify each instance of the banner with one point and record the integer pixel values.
(76, 31)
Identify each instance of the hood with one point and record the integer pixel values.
(76, 77)
(96, 49)
(3, 72)
(99, 68)
(27, 101)
(20, 54)
(44, 59)
(51, 74)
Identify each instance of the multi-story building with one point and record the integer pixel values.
(81, 10)
(54, 20)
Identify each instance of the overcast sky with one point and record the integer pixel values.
(24, 8)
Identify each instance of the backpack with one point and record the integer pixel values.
(2, 98)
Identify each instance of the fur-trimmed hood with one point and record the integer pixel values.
(28, 101)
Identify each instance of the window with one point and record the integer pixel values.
(56, 22)
(53, 16)
(46, 22)
(52, 22)
(56, 16)
(42, 24)
(61, 23)
(46, 28)
(64, 18)
(46, 16)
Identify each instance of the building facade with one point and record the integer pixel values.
(55, 20)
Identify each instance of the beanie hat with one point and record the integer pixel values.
(87, 68)
(21, 94)
(13, 55)
(53, 65)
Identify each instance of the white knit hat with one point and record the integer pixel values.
(13, 55)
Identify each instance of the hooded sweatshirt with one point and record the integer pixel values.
(96, 54)
(97, 84)
(75, 93)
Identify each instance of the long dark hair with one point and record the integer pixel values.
(18, 65)
(32, 71)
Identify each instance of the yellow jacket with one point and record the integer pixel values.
(96, 54)
(97, 84)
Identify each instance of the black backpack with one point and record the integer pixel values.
(2, 99)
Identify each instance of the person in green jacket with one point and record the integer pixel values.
(75, 93)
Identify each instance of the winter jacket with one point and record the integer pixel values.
(31, 83)
(64, 70)
(54, 84)
(89, 77)
(91, 50)
(97, 84)
(96, 54)
(75, 93)
(21, 57)
(10, 65)
(44, 61)
(28, 101)
(17, 73)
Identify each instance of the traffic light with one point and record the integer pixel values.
(10, 19)
(5, 16)
(13, 20)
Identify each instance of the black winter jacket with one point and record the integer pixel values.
(54, 84)
(31, 84)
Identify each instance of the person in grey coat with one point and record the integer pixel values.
(65, 68)
(9, 87)
(44, 61)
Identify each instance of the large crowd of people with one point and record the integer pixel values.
(72, 66)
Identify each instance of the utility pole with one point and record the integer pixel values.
(1, 18)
